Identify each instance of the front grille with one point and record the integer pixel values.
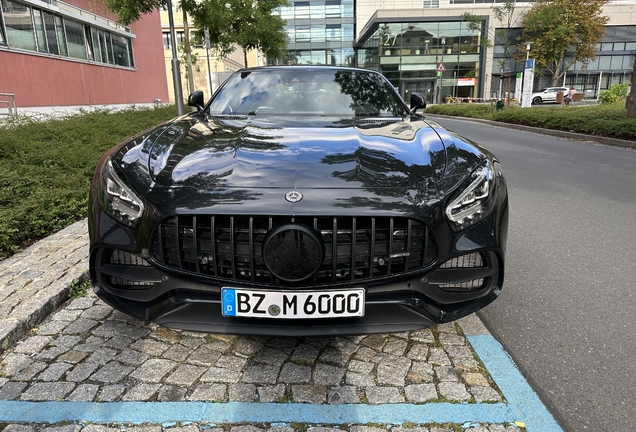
(356, 248)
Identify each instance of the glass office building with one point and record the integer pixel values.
(440, 59)
(429, 48)
(320, 32)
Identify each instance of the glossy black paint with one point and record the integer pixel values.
(201, 164)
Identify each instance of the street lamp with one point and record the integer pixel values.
(528, 46)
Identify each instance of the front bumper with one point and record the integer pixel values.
(418, 301)
(195, 311)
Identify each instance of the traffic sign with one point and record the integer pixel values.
(441, 67)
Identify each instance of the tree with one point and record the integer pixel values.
(563, 32)
(501, 36)
(189, 60)
(249, 24)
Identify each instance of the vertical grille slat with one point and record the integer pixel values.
(357, 248)
(334, 249)
(178, 240)
(196, 247)
(390, 244)
(232, 247)
(408, 244)
(372, 249)
(251, 234)
(353, 247)
(215, 255)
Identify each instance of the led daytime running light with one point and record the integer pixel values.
(472, 203)
(119, 200)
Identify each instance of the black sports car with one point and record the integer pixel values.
(299, 201)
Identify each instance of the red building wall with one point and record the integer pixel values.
(38, 80)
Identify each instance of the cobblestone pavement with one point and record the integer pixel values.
(84, 351)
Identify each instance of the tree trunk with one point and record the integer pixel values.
(245, 56)
(630, 103)
(187, 50)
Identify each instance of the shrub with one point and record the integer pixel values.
(616, 93)
(599, 120)
(46, 167)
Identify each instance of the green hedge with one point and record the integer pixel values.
(600, 120)
(46, 167)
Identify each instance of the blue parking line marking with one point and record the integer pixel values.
(522, 400)
(523, 406)
(239, 412)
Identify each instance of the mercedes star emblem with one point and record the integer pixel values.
(293, 196)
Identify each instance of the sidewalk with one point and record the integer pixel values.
(78, 365)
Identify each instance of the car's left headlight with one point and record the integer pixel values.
(475, 200)
(118, 199)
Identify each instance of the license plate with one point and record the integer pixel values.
(285, 304)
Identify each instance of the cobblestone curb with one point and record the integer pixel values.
(36, 281)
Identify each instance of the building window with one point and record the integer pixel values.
(301, 9)
(334, 32)
(303, 33)
(333, 9)
(52, 33)
(120, 51)
(75, 39)
(431, 4)
(61, 39)
(30, 28)
(166, 40)
(39, 30)
(19, 25)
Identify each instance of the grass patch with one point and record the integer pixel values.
(46, 168)
(599, 120)
(79, 288)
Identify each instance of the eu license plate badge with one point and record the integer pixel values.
(238, 302)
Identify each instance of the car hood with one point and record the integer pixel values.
(234, 152)
(399, 166)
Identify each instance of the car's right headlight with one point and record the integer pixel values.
(475, 200)
(118, 199)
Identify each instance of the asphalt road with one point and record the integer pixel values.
(567, 312)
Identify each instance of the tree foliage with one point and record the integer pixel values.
(246, 23)
(563, 32)
(249, 24)
(130, 11)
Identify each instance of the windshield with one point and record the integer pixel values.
(326, 92)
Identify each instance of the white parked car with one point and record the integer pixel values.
(548, 95)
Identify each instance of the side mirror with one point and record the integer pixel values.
(417, 102)
(196, 100)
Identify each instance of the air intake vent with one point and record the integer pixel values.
(355, 248)
(122, 260)
(470, 261)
